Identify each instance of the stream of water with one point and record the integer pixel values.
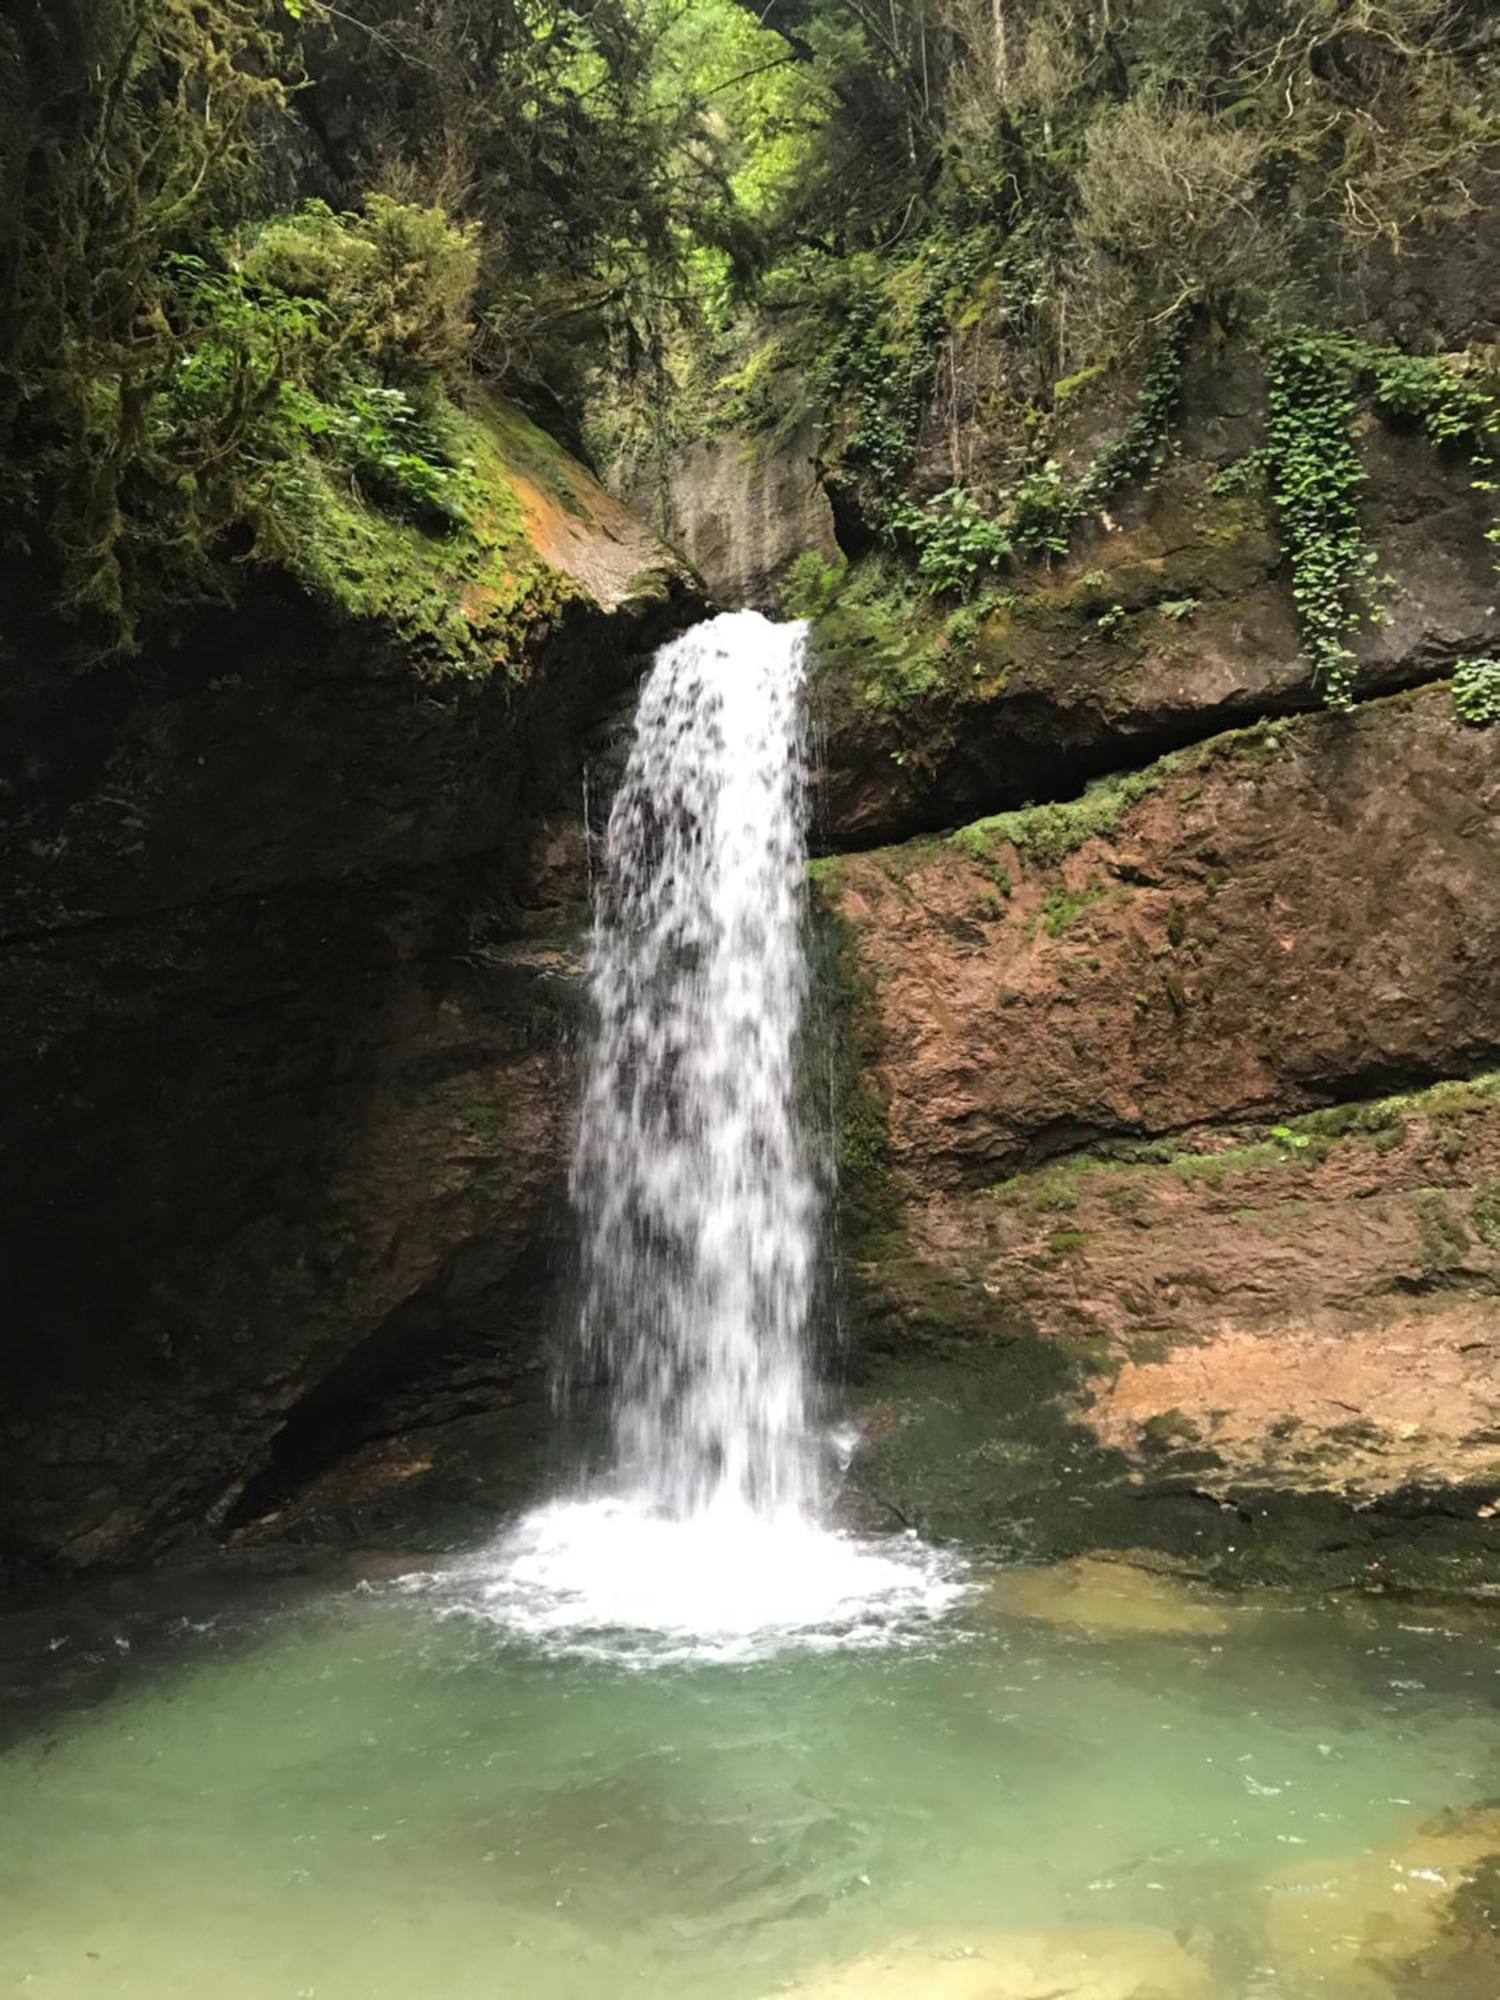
(677, 1734)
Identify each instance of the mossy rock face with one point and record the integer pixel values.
(296, 905)
(538, 533)
(1161, 627)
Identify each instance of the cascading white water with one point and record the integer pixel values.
(699, 1213)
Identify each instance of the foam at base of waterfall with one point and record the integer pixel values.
(617, 1579)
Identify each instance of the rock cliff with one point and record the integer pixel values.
(287, 981)
(1169, 1088)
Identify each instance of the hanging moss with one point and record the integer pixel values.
(140, 137)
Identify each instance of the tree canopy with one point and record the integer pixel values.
(644, 215)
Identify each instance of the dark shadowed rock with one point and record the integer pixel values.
(288, 991)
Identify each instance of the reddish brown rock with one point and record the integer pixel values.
(1277, 921)
(1318, 1310)
(1229, 1291)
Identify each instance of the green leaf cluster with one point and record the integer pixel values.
(1316, 474)
(956, 540)
(1476, 692)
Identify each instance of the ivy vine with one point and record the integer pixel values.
(1315, 472)
(889, 399)
(1476, 692)
(1142, 444)
(1315, 476)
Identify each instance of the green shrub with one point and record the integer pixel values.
(810, 586)
(395, 281)
(955, 539)
(1167, 214)
(1476, 692)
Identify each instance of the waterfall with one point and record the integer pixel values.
(699, 1213)
(707, 1535)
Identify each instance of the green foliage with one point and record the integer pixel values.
(1476, 692)
(1315, 473)
(397, 280)
(1070, 188)
(955, 539)
(529, 189)
(1047, 834)
(962, 626)
(466, 594)
(134, 132)
(1290, 1139)
(1141, 445)
(876, 641)
(810, 588)
(1066, 1242)
(1315, 476)
(593, 146)
(1247, 474)
(884, 368)
(1449, 402)
(311, 335)
(685, 214)
(1041, 509)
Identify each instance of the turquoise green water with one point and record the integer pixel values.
(366, 1799)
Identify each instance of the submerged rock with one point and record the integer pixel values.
(1130, 1963)
(1108, 1597)
(1364, 1926)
